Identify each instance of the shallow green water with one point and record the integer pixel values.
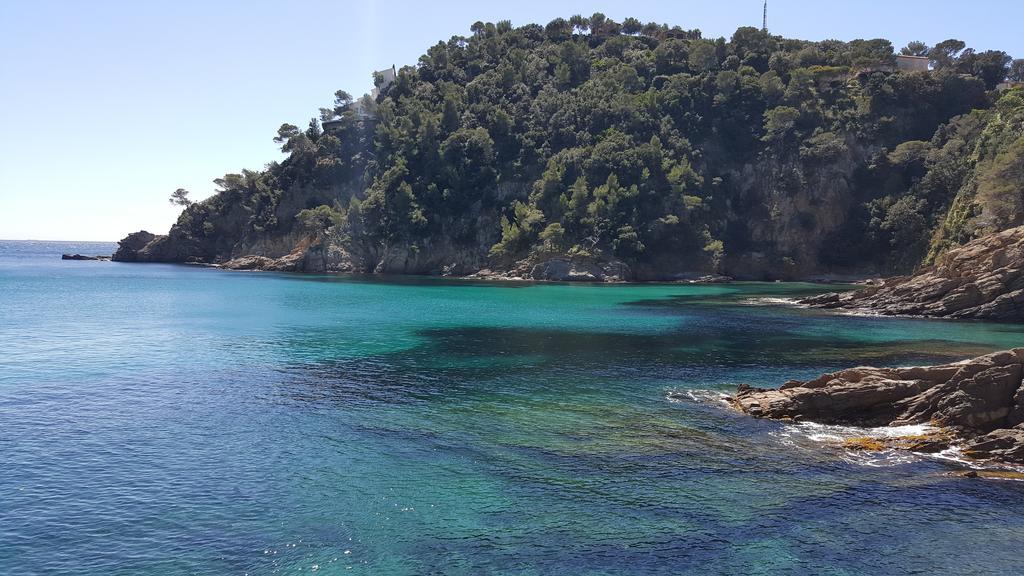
(176, 420)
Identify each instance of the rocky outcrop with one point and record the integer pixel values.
(282, 254)
(129, 248)
(146, 247)
(82, 257)
(569, 270)
(983, 279)
(979, 402)
(1005, 444)
(306, 257)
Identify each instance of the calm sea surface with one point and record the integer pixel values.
(167, 420)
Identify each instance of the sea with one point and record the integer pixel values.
(176, 419)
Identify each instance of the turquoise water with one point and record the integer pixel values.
(159, 419)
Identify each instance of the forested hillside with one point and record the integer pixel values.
(634, 151)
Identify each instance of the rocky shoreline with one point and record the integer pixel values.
(312, 256)
(983, 279)
(976, 405)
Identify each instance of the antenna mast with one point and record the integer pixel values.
(764, 20)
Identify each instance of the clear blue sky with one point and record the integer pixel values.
(110, 106)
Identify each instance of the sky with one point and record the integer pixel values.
(110, 106)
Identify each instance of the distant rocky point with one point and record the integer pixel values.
(128, 248)
(982, 279)
(82, 257)
(976, 404)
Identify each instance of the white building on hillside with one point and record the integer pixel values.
(387, 77)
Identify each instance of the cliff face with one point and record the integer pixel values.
(983, 279)
(979, 403)
(580, 152)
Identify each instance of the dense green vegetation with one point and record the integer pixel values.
(756, 156)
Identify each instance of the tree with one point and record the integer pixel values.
(778, 122)
(702, 56)
(1017, 70)
(342, 103)
(469, 156)
(990, 66)
(944, 54)
(450, 117)
(313, 131)
(318, 220)
(915, 48)
(999, 193)
(598, 24)
(670, 57)
(558, 30)
(180, 198)
(579, 23)
(653, 30)
(631, 26)
(285, 134)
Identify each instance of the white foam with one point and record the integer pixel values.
(810, 435)
(770, 301)
(699, 396)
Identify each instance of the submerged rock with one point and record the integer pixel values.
(982, 279)
(979, 401)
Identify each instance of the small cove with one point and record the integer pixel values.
(163, 419)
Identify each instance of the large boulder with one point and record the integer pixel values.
(982, 279)
(979, 400)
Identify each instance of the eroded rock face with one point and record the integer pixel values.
(569, 270)
(291, 254)
(980, 400)
(128, 249)
(983, 279)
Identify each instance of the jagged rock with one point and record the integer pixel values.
(1006, 444)
(249, 263)
(128, 249)
(982, 279)
(282, 254)
(306, 257)
(572, 270)
(981, 400)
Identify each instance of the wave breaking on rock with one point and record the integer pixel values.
(976, 405)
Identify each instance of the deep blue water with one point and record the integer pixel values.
(159, 419)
